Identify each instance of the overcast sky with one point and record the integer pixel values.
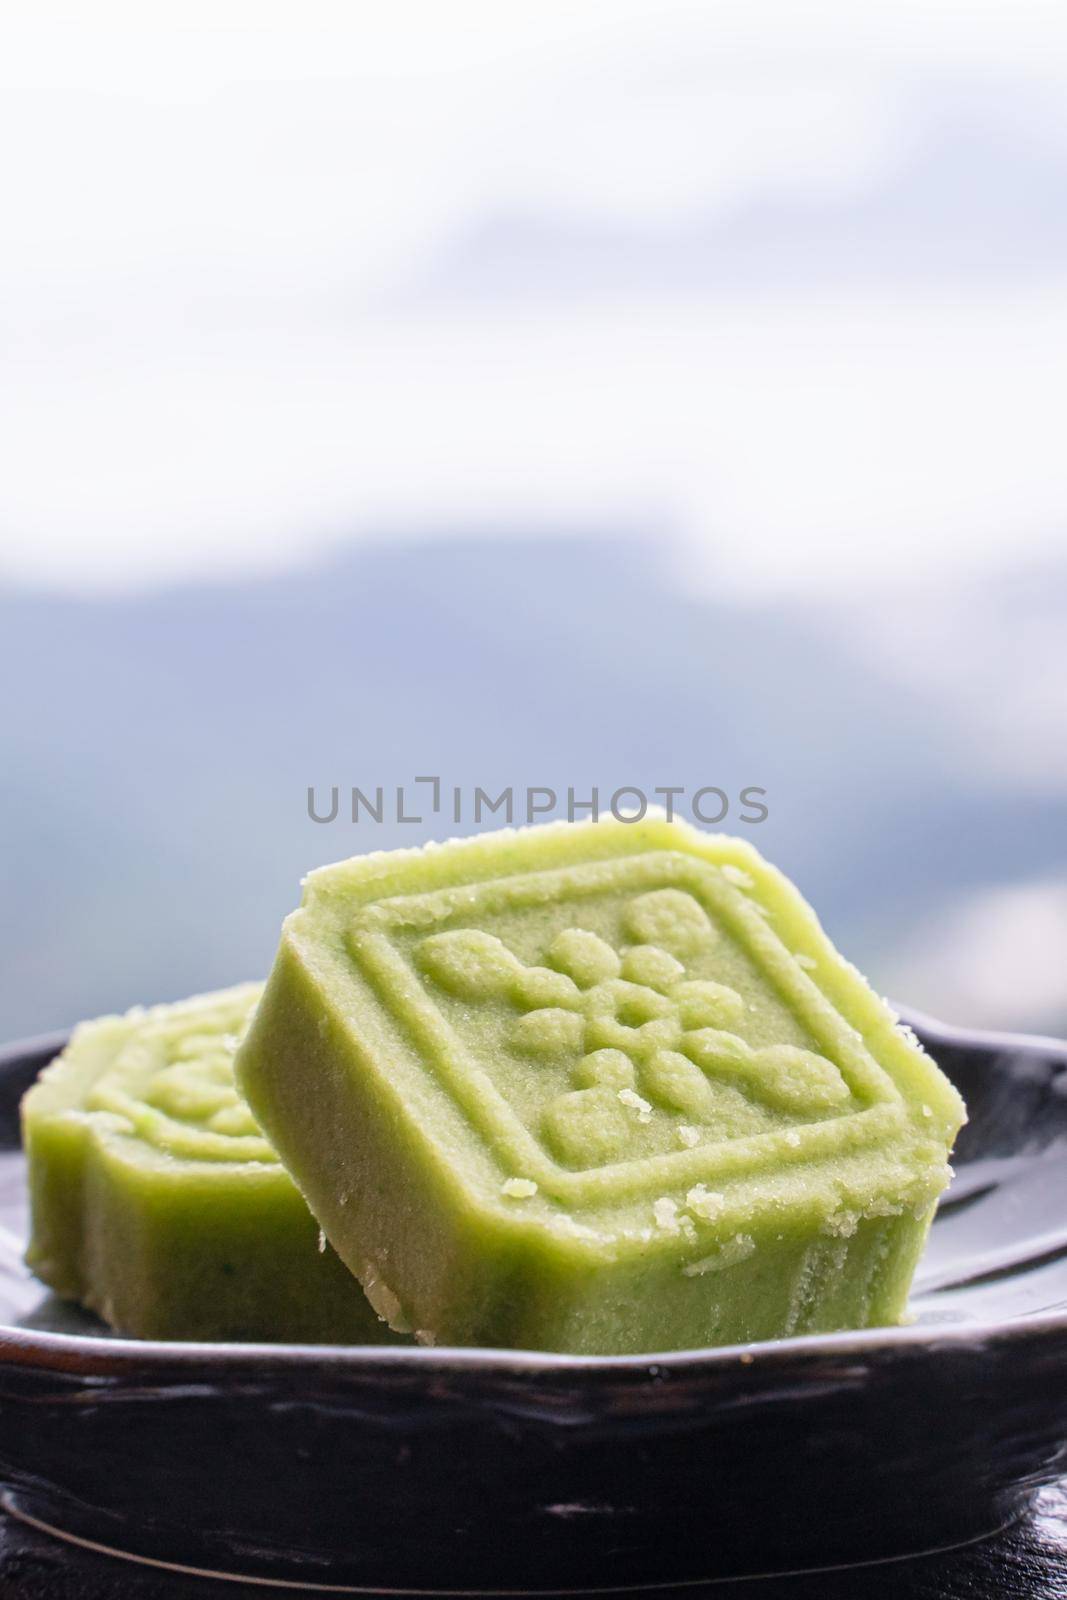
(786, 284)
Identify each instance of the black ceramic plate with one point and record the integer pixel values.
(494, 1470)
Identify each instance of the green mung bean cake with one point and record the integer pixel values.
(598, 1087)
(157, 1202)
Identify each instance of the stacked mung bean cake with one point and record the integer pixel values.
(602, 1087)
(157, 1202)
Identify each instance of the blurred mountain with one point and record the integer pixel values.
(156, 749)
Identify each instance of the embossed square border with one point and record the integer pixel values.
(488, 1111)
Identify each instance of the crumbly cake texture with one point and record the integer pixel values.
(599, 1087)
(157, 1202)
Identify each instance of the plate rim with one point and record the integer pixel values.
(94, 1354)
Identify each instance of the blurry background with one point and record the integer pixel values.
(556, 394)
